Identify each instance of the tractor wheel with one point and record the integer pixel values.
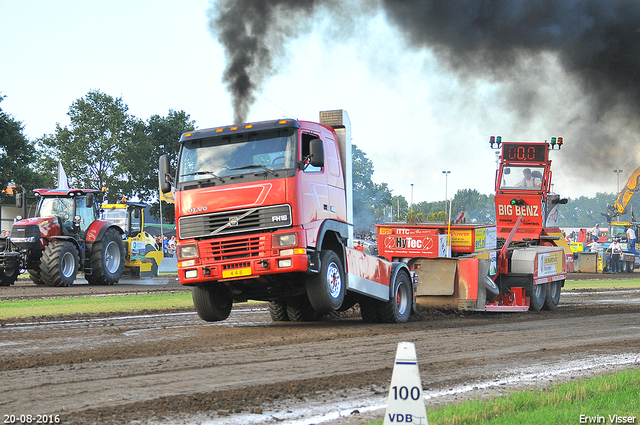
(36, 277)
(278, 311)
(9, 276)
(299, 309)
(552, 297)
(107, 259)
(398, 308)
(59, 264)
(326, 290)
(537, 297)
(213, 302)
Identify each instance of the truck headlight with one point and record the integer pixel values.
(284, 239)
(188, 251)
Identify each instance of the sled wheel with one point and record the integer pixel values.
(537, 297)
(552, 296)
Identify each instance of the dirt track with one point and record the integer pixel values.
(176, 368)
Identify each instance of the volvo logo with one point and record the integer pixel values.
(196, 209)
(233, 221)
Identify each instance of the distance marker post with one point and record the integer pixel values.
(406, 404)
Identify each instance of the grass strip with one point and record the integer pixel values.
(613, 398)
(93, 304)
(578, 285)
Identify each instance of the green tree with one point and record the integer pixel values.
(17, 155)
(164, 135)
(101, 133)
(369, 198)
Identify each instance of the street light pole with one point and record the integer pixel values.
(411, 196)
(617, 173)
(446, 175)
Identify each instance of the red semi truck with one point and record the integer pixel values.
(264, 212)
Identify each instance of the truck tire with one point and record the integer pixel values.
(552, 296)
(278, 311)
(537, 297)
(299, 309)
(36, 277)
(491, 288)
(9, 276)
(327, 288)
(369, 310)
(59, 264)
(107, 259)
(398, 308)
(213, 303)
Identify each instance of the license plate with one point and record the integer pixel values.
(236, 272)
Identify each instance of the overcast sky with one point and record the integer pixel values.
(412, 117)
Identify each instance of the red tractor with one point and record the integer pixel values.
(65, 236)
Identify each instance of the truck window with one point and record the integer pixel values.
(306, 138)
(244, 153)
(521, 177)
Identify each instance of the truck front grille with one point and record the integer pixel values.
(235, 222)
(219, 250)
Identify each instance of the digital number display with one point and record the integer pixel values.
(524, 152)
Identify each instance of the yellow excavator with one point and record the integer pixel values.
(143, 255)
(618, 229)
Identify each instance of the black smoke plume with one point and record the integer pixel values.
(597, 44)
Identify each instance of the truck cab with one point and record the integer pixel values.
(264, 212)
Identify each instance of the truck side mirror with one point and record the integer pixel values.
(316, 149)
(164, 176)
(90, 200)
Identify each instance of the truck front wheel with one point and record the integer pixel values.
(326, 289)
(537, 297)
(59, 264)
(107, 259)
(213, 303)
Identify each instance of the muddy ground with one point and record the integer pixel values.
(171, 367)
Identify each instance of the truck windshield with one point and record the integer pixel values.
(521, 177)
(263, 152)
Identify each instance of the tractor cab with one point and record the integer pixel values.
(75, 209)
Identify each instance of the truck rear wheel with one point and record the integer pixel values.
(278, 311)
(107, 259)
(398, 308)
(59, 264)
(213, 303)
(369, 310)
(9, 277)
(326, 289)
(537, 297)
(299, 309)
(552, 297)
